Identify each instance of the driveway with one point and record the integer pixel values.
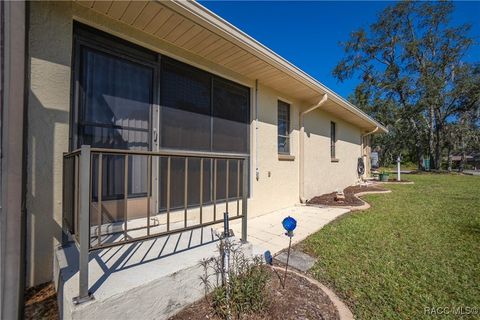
(472, 172)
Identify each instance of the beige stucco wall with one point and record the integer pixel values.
(50, 45)
(277, 185)
(321, 174)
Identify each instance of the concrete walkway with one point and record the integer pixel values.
(265, 232)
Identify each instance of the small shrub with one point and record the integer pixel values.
(245, 291)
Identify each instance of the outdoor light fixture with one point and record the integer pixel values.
(289, 224)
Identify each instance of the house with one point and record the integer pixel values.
(471, 160)
(156, 113)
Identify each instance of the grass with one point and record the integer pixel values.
(417, 247)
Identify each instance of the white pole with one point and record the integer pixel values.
(398, 169)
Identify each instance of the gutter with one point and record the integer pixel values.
(257, 172)
(302, 146)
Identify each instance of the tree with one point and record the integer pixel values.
(413, 77)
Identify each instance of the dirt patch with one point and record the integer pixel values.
(41, 302)
(350, 199)
(299, 300)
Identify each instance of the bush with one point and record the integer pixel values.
(245, 291)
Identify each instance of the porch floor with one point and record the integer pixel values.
(157, 277)
(265, 232)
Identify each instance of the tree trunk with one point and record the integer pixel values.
(419, 145)
(419, 155)
(449, 152)
(462, 162)
(438, 149)
(431, 137)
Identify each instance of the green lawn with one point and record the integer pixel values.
(417, 247)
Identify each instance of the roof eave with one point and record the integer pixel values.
(215, 23)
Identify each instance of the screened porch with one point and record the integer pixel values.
(157, 147)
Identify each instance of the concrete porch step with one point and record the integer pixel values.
(152, 279)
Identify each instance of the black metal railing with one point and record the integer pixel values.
(112, 197)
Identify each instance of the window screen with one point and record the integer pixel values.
(200, 111)
(185, 107)
(116, 105)
(283, 127)
(230, 117)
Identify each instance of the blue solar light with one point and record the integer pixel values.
(289, 224)
(268, 257)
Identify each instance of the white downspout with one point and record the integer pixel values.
(363, 138)
(371, 132)
(364, 156)
(257, 172)
(302, 146)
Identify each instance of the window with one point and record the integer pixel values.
(283, 127)
(333, 139)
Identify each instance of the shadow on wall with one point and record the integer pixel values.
(49, 49)
(44, 180)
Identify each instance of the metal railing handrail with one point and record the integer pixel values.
(81, 195)
(164, 153)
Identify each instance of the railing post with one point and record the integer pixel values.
(83, 225)
(64, 202)
(244, 199)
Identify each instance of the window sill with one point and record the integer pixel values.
(286, 157)
(334, 160)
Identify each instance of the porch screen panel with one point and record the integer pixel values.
(177, 182)
(185, 113)
(230, 117)
(200, 112)
(115, 113)
(232, 179)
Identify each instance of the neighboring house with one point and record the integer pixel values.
(472, 160)
(170, 77)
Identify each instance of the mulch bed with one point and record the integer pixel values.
(395, 180)
(299, 300)
(350, 200)
(41, 302)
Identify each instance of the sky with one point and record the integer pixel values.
(308, 33)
